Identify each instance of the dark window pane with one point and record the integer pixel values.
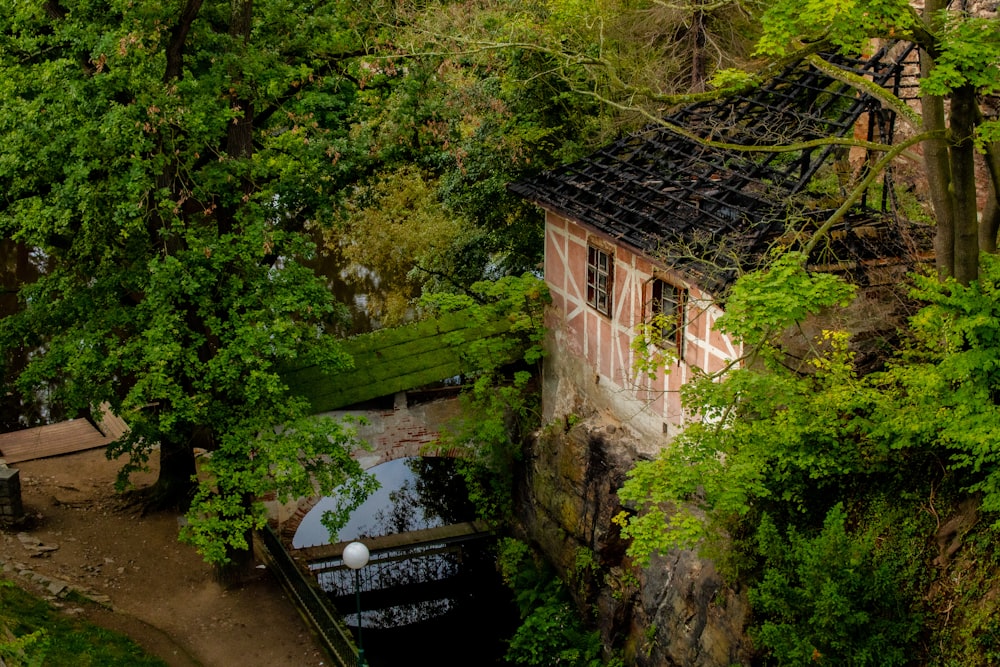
(599, 280)
(668, 300)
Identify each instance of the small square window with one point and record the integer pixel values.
(599, 276)
(666, 309)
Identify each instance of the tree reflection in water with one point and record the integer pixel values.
(410, 585)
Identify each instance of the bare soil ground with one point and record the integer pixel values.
(154, 589)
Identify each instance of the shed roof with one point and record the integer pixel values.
(708, 209)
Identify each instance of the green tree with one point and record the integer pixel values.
(500, 405)
(811, 482)
(959, 68)
(166, 158)
(474, 118)
(398, 239)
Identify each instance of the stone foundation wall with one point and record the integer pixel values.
(676, 611)
(11, 509)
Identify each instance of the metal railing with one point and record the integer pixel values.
(311, 602)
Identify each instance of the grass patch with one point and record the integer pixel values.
(35, 634)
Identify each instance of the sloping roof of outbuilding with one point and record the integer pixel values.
(708, 209)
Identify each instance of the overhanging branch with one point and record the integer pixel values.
(863, 185)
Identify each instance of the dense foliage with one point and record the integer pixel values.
(166, 160)
(177, 164)
(551, 632)
(501, 405)
(812, 481)
(446, 127)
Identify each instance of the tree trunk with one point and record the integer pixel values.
(698, 66)
(241, 562)
(936, 160)
(963, 179)
(178, 37)
(239, 134)
(989, 227)
(239, 140)
(175, 483)
(239, 146)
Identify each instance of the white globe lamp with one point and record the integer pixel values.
(356, 557)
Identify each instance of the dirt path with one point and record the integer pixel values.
(158, 591)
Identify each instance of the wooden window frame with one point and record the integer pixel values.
(600, 279)
(666, 296)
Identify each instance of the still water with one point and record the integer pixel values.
(446, 606)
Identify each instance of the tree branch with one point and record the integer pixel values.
(329, 67)
(748, 148)
(863, 185)
(868, 87)
(936, 161)
(700, 7)
(609, 68)
(990, 225)
(178, 37)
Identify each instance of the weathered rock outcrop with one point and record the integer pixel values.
(678, 611)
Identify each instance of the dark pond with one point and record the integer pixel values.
(445, 606)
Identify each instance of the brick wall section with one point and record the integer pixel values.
(11, 509)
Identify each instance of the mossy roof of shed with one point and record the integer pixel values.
(710, 210)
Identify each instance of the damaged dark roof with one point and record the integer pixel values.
(708, 210)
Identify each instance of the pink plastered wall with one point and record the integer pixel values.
(605, 341)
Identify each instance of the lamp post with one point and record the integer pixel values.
(356, 557)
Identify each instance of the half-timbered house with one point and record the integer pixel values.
(654, 227)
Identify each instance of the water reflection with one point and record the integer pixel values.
(446, 594)
(415, 493)
(413, 583)
(350, 285)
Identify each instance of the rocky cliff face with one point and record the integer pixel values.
(676, 612)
